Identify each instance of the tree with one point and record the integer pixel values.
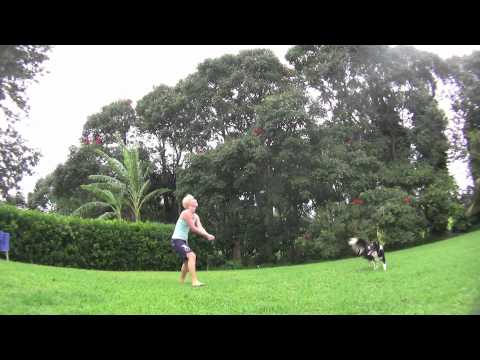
(215, 103)
(286, 136)
(62, 191)
(63, 185)
(19, 65)
(225, 180)
(101, 127)
(172, 120)
(18, 200)
(379, 126)
(128, 184)
(228, 88)
(41, 197)
(16, 160)
(466, 104)
(386, 93)
(474, 207)
(253, 188)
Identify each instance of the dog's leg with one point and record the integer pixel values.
(384, 266)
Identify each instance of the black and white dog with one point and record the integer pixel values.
(371, 251)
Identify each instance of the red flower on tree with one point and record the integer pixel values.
(257, 131)
(357, 201)
(98, 140)
(407, 200)
(86, 141)
(307, 236)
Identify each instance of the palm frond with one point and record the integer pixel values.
(144, 188)
(131, 160)
(105, 179)
(115, 165)
(152, 194)
(87, 208)
(105, 195)
(107, 215)
(117, 188)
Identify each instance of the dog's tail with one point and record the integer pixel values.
(381, 253)
(353, 241)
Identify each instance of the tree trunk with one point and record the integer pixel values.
(237, 254)
(267, 249)
(474, 208)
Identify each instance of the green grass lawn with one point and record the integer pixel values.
(438, 278)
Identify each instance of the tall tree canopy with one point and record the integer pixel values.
(466, 104)
(287, 161)
(19, 65)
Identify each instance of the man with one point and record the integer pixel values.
(188, 220)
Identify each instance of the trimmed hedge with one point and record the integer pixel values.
(67, 241)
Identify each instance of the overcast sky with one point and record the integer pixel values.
(83, 79)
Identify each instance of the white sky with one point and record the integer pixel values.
(83, 78)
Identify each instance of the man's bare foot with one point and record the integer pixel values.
(198, 284)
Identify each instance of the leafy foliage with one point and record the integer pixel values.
(19, 65)
(66, 241)
(128, 185)
(288, 162)
(117, 117)
(466, 104)
(60, 191)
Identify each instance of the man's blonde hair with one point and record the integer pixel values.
(186, 200)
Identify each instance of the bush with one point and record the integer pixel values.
(460, 221)
(327, 235)
(390, 210)
(58, 240)
(439, 202)
(395, 213)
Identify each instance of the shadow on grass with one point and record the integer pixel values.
(364, 270)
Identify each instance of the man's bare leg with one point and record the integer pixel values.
(183, 271)
(191, 267)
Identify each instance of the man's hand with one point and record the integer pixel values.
(210, 237)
